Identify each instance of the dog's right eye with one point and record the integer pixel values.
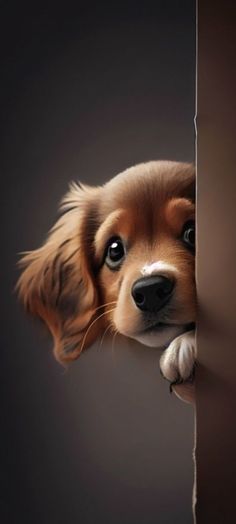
(188, 234)
(115, 252)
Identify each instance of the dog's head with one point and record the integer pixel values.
(119, 255)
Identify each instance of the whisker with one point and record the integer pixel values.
(78, 331)
(91, 325)
(104, 334)
(113, 342)
(104, 305)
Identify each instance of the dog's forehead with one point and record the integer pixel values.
(146, 187)
(145, 201)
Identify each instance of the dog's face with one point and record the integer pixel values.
(120, 255)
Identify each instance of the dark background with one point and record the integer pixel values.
(85, 93)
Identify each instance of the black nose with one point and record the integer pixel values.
(152, 293)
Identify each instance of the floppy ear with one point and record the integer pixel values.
(57, 283)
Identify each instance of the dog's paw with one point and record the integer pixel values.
(177, 363)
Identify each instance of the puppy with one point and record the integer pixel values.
(122, 255)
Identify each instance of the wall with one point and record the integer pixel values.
(216, 262)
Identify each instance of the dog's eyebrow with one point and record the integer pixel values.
(114, 224)
(177, 211)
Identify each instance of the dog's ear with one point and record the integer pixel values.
(57, 283)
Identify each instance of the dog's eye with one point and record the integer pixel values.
(115, 253)
(188, 234)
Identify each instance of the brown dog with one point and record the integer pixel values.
(122, 255)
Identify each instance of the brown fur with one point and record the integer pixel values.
(63, 281)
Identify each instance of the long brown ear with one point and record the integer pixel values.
(57, 282)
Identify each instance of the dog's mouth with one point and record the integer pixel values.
(160, 334)
(161, 326)
(158, 326)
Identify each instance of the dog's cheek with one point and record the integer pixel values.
(185, 297)
(126, 316)
(108, 284)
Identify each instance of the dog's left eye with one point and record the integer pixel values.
(115, 253)
(188, 234)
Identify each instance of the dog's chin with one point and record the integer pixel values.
(159, 336)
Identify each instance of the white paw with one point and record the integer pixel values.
(177, 361)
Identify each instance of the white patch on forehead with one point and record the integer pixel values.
(157, 267)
